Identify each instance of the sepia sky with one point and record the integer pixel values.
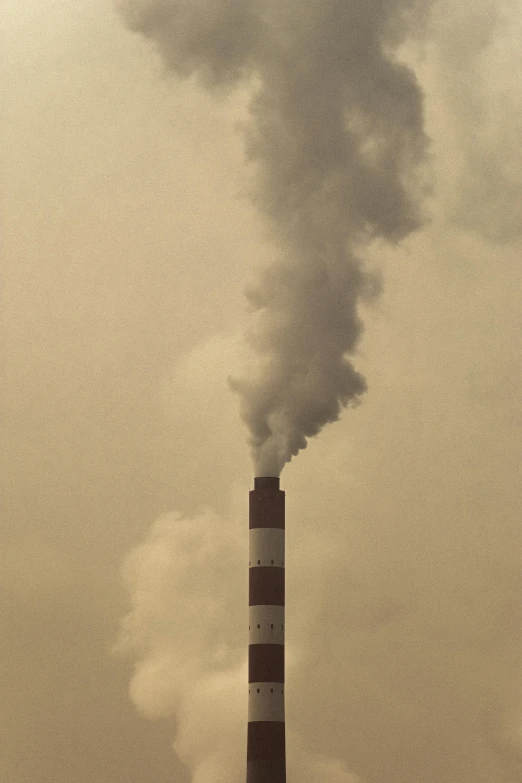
(129, 238)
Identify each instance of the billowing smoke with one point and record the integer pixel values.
(190, 662)
(336, 136)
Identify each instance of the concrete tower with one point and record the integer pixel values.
(266, 761)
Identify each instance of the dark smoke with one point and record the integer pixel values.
(336, 133)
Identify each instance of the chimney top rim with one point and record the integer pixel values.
(266, 482)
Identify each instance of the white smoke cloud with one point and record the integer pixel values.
(186, 631)
(336, 136)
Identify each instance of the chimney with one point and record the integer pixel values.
(266, 760)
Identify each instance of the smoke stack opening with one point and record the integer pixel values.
(266, 482)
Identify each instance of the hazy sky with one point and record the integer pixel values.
(128, 241)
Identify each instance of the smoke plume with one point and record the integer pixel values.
(336, 136)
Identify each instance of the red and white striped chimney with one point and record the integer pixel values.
(266, 760)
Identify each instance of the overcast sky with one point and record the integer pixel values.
(129, 238)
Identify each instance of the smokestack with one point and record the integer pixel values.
(266, 758)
